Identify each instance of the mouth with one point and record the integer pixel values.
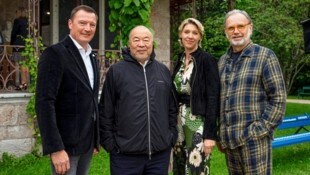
(141, 50)
(86, 35)
(237, 37)
(189, 42)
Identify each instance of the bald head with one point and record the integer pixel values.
(140, 43)
(140, 29)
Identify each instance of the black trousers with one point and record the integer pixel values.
(140, 164)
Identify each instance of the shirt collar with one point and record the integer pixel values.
(88, 51)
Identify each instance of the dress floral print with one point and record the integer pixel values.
(188, 152)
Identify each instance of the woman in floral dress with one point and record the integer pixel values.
(196, 80)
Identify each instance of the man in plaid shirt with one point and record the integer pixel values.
(253, 99)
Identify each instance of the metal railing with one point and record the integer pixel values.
(10, 70)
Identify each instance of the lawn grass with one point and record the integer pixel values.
(287, 160)
(299, 98)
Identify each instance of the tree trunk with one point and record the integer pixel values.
(231, 4)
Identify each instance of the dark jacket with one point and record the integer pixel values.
(19, 31)
(138, 112)
(65, 102)
(205, 89)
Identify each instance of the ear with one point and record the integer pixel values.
(70, 23)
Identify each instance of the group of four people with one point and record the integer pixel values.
(144, 113)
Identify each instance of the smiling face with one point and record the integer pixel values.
(83, 27)
(238, 31)
(140, 43)
(190, 37)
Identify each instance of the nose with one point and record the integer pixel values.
(190, 35)
(87, 27)
(141, 43)
(236, 30)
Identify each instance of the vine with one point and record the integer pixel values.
(125, 14)
(33, 47)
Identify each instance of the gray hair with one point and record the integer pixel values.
(237, 11)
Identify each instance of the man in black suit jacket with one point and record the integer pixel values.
(67, 96)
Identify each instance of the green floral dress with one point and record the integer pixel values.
(188, 155)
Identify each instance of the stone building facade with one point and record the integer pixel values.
(15, 134)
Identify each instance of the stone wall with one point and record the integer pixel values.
(15, 135)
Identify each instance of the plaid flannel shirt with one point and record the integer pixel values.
(253, 95)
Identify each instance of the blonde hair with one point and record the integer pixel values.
(194, 22)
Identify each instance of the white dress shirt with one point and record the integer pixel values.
(86, 59)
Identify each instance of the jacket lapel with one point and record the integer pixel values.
(78, 60)
(95, 66)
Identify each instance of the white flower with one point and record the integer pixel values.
(207, 170)
(195, 158)
(199, 146)
(200, 129)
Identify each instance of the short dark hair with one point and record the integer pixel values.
(82, 7)
(22, 10)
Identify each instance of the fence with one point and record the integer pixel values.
(10, 70)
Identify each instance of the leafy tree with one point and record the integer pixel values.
(276, 26)
(125, 14)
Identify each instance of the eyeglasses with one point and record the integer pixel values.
(239, 27)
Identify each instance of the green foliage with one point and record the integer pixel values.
(276, 26)
(33, 47)
(212, 18)
(125, 14)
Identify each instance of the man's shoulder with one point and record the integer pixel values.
(161, 65)
(257, 47)
(54, 48)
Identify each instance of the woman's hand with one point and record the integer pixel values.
(208, 145)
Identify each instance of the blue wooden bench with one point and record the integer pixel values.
(300, 122)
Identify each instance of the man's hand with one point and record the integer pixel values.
(208, 145)
(219, 147)
(60, 160)
(96, 151)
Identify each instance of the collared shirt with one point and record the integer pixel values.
(86, 59)
(253, 95)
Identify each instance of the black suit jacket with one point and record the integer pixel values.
(66, 105)
(19, 31)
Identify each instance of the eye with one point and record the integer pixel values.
(186, 31)
(92, 25)
(240, 27)
(195, 33)
(82, 23)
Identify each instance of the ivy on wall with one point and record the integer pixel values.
(125, 14)
(33, 48)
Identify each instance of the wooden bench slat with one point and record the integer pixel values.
(293, 122)
(292, 139)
